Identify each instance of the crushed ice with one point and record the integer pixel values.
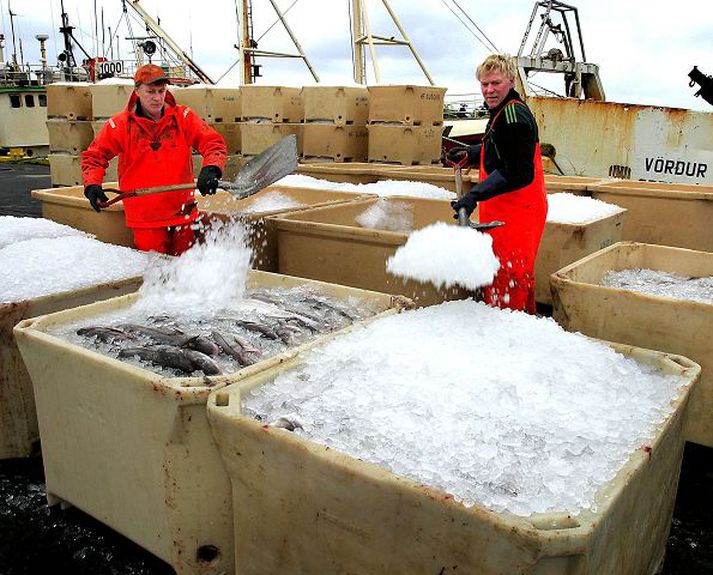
(663, 284)
(572, 209)
(387, 215)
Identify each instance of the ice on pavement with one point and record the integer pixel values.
(383, 188)
(446, 255)
(44, 266)
(387, 215)
(497, 408)
(270, 202)
(567, 208)
(662, 284)
(14, 229)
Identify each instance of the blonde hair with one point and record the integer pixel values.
(497, 62)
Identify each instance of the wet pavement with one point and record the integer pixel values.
(36, 539)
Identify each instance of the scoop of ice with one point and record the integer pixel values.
(270, 202)
(571, 209)
(14, 229)
(382, 215)
(208, 277)
(44, 266)
(495, 407)
(446, 255)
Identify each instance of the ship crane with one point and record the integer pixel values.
(581, 77)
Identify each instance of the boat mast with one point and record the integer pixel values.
(362, 36)
(14, 41)
(248, 49)
(156, 29)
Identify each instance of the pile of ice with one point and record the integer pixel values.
(566, 208)
(14, 229)
(210, 276)
(663, 284)
(271, 201)
(44, 266)
(494, 407)
(446, 255)
(383, 215)
(383, 189)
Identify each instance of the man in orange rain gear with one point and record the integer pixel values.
(511, 186)
(154, 138)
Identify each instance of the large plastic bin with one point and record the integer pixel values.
(19, 434)
(578, 185)
(676, 215)
(353, 172)
(69, 206)
(300, 507)
(134, 449)
(580, 303)
(263, 239)
(564, 243)
(328, 244)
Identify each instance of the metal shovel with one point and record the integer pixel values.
(463, 218)
(274, 163)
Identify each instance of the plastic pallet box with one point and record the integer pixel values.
(300, 507)
(108, 99)
(257, 137)
(580, 303)
(340, 105)
(19, 433)
(211, 103)
(676, 215)
(277, 104)
(328, 244)
(434, 175)
(68, 206)
(352, 172)
(577, 185)
(406, 104)
(69, 100)
(564, 243)
(231, 134)
(263, 238)
(406, 145)
(133, 449)
(69, 136)
(348, 143)
(66, 169)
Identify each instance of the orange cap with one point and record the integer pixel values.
(150, 74)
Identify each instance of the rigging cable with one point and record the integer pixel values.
(466, 26)
(476, 26)
(276, 21)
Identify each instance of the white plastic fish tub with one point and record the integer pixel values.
(564, 243)
(19, 434)
(662, 323)
(132, 448)
(676, 215)
(300, 507)
(263, 240)
(328, 244)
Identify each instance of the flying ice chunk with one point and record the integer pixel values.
(270, 202)
(45, 266)
(14, 229)
(566, 208)
(446, 255)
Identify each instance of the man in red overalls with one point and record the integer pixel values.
(511, 186)
(154, 138)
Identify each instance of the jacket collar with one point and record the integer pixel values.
(511, 95)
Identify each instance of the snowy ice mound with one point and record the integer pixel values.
(44, 266)
(270, 202)
(382, 215)
(566, 208)
(383, 189)
(497, 408)
(14, 229)
(446, 255)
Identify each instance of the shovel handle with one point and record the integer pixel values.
(120, 196)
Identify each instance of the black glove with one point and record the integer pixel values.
(456, 154)
(208, 180)
(94, 194)
(468, 201)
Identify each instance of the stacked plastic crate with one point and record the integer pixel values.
(335, 123)
(69, 115)
(269, 114)
(405, 124)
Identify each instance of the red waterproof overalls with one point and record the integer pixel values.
(155, 154)
(515, 244)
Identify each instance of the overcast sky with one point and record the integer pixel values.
(644, 49)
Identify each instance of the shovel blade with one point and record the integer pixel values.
(274, 163)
